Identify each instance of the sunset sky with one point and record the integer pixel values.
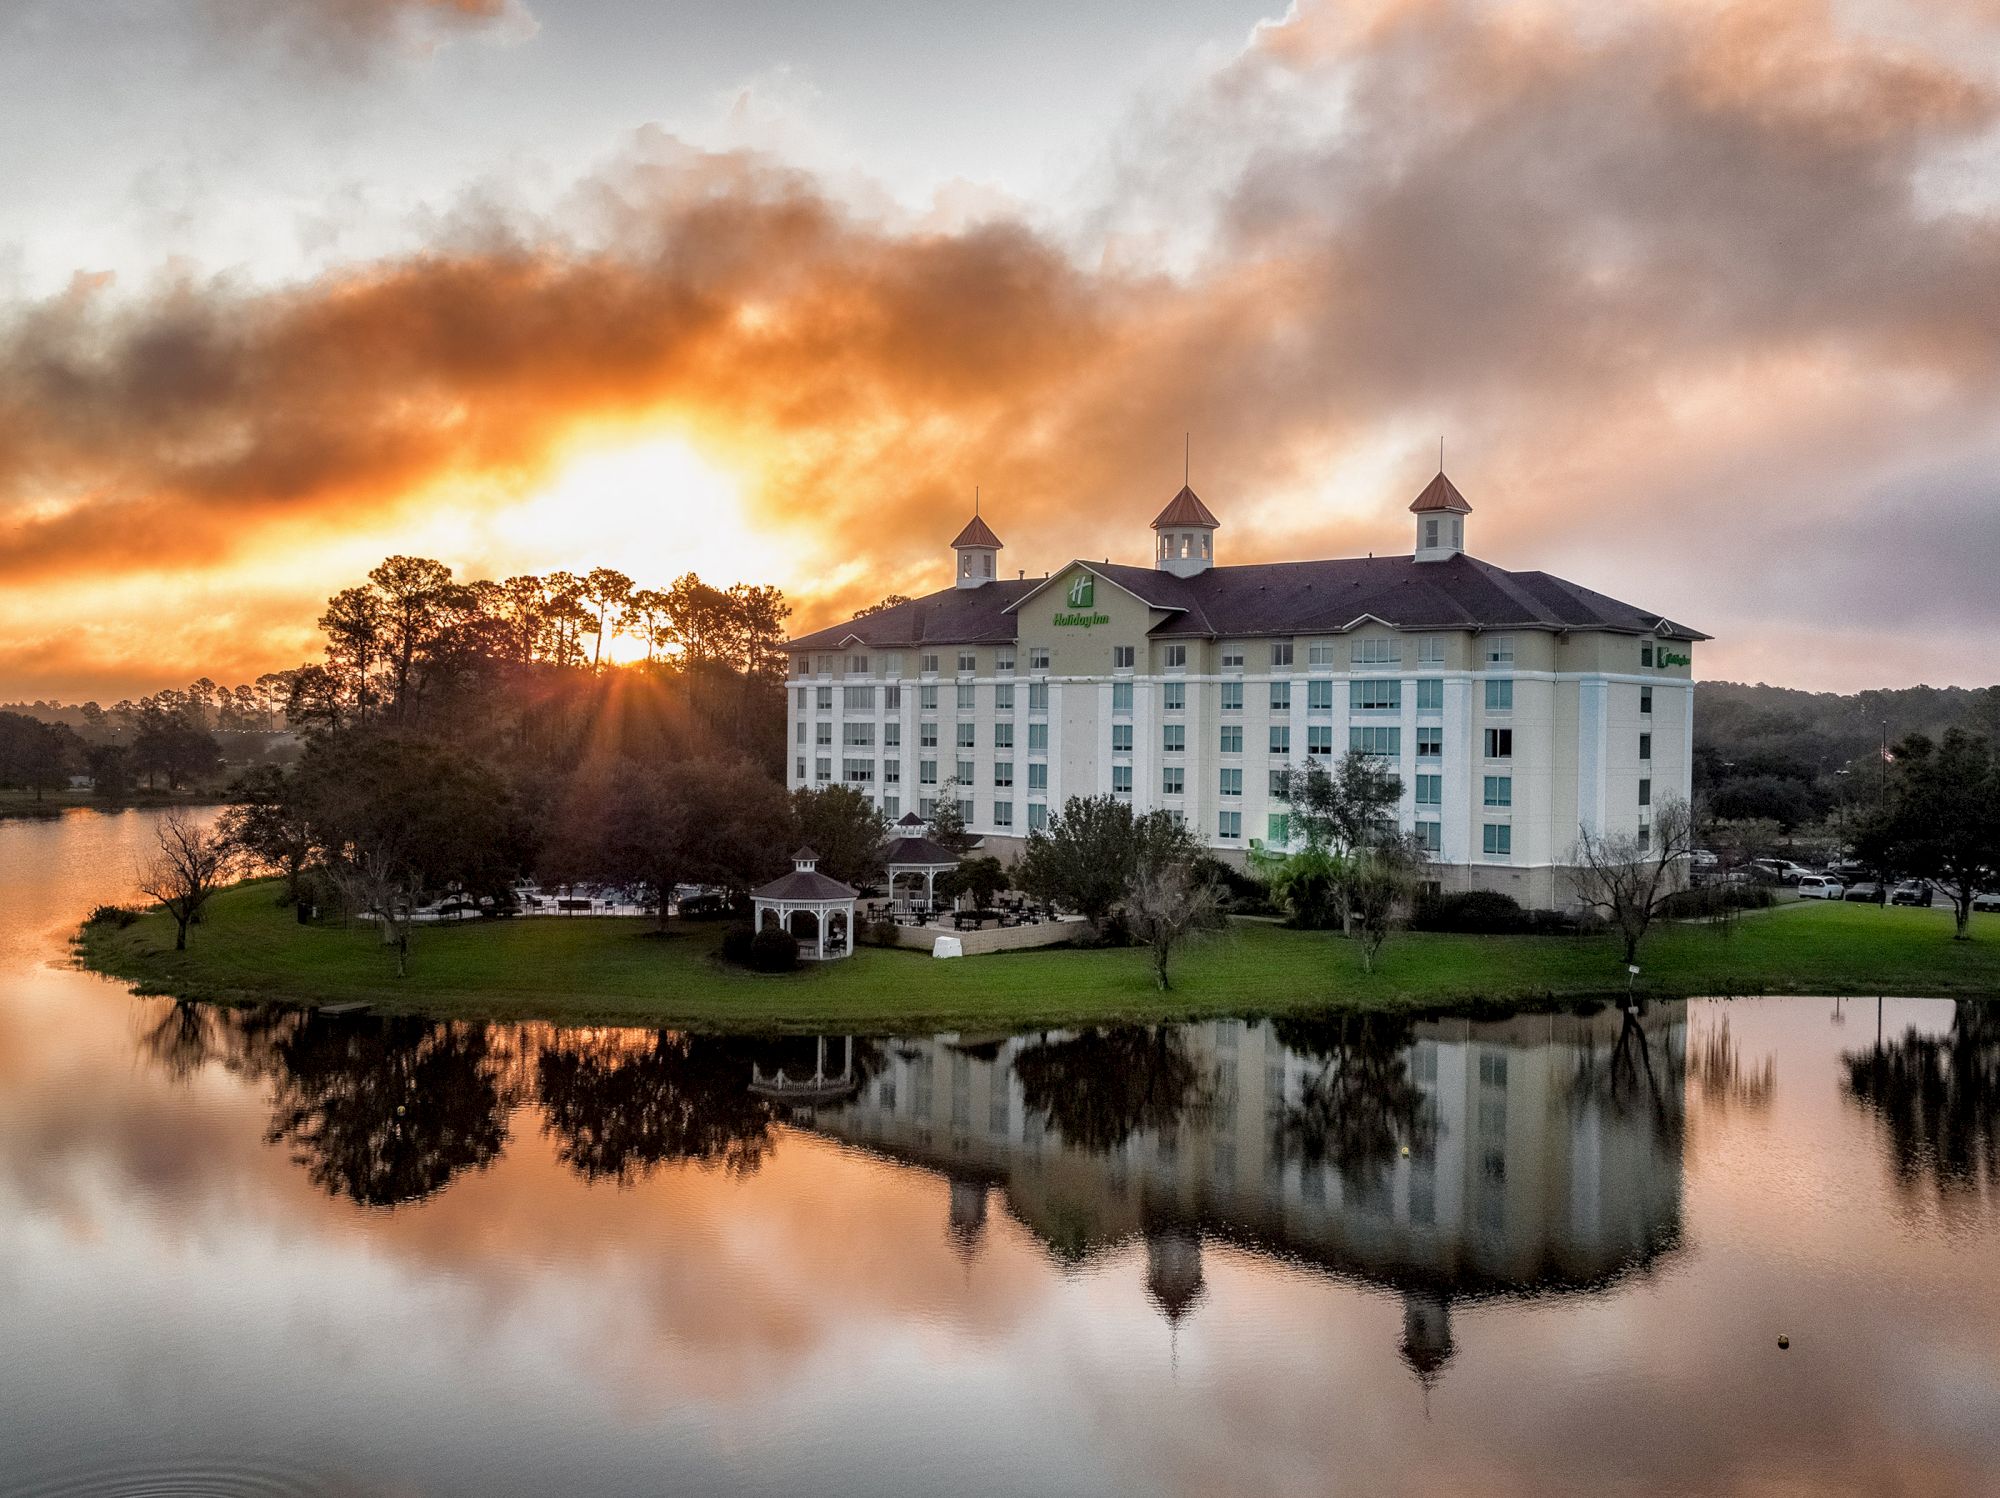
(1704, 298)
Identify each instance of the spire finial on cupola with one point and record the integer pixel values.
(1440, 512)
(976, 550)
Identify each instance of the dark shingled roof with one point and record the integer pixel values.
(1186, 508)
(1440, 494)
(1280, 598)
(917, 850)
(977, 533)
(804, 884)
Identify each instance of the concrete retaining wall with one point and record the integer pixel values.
(994, 938)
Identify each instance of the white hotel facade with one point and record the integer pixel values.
(1516, 707)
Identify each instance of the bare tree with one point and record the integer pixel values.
(1167, 906)
(1627, 876)
(192, 863)
(1380, 882)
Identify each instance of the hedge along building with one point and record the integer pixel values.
(1516, 708)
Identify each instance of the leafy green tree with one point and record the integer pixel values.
(1942, 818)
(1350, 806)
(844, 827)
(34, 755)
(267, 826)
(1087, 856)
(947, 822)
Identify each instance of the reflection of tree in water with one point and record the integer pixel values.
(1100, 1088)
(1639, 1073)
(386, 1111)
(1362, 1106)
(617, 1111)
(1938, 1096)
(1724, 1077)
(182, 1040)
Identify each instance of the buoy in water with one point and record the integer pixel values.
(1784, 1342)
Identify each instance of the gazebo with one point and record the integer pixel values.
(912, 852)
(807, 893)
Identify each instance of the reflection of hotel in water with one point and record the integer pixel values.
(1545, 1156)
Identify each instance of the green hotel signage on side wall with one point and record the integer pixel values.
(1082, 598)
(1672, 658)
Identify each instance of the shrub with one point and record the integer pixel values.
(1711, 901)
(774, 951)
(879, 933)
(1472, 912)
(1243, 894)
(111, 915)
(736, 945)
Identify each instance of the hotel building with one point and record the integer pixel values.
(1516, 707)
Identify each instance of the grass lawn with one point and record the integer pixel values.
(598, 969)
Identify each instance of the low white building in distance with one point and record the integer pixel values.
(1516, 707)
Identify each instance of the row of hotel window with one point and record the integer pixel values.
(1369, 738)
(1378, 694)
(1499, 651)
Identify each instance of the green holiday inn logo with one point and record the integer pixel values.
(1082, 599)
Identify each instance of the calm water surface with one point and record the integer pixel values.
(1546, 1254)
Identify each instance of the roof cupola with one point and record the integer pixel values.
(1440, 512)
(977, 551)
(1185, 532)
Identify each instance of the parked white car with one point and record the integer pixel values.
(1819, 887)
(1988, 900)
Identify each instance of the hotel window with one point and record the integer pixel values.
(1038, 816)
(1377, 694)
(799, 699)
(1173, 779)
(1645, 655)
(892, 771)
(1319, 738)
(1500, 650)
(1319, 696)
(1645, 699)
(1499, 743)
(857, 665)
(1003, 813)
(823, 735)
(801, 735)
(1038, 738)
(927, 734)
(823, 699)
(1121, 696)
(1232, 658)
(1281, 738)
(1645, 837)
(926, 772)
(1370, 739)
(1430, 695)
(1122, 656)
(1278, 829)
(1038, 777)
(1038, 657)
(1499, 791)
(1232, 738)
(892, 735)
(1430, 836)
(1430, 743)
(965, 810)
(1378, 652)
(1229, 824)
(1175, 657)
(823, 768)
(1173, 696)
(1500, 696)
(928, 663)
(801, 762)
(1430, 650)
(966, 770)
(1281, 696)
(1003, 735)
(858, 735)
(1645, 746)
(1232, 696)
(1173, 737)
(892, 698)
(1279, 788)
(1645, 793)
(1038, 696)
(1232, 782)
(968, 662)
(1121, 738)
(1003, 772)
(1003, 697)
(1496, 840)
(892, 806)
(1003, 661)
(927, 807)
(968, 696)
(1121, 780)
(892, 663)
(1281, 652)
(1430, 790)
(857, 771)
(1319, 653)
(1430, 532)
(927, 698)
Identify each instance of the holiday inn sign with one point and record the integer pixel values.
(1081, 599)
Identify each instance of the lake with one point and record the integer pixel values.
(1528, 1253)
